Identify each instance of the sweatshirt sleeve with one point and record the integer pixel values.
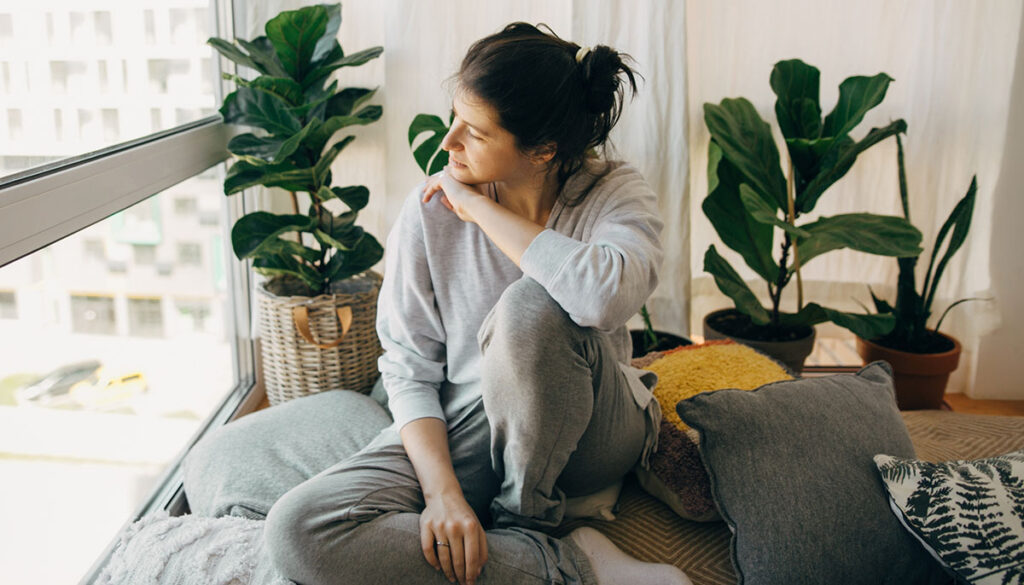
(603, 281)
(408, 324)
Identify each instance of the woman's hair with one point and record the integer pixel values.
(543, 95)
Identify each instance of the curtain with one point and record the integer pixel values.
(952, 63)
(953, 66)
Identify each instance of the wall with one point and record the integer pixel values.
(999, 365)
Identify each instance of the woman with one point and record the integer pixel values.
(509, 278)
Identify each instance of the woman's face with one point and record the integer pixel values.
(479, 149)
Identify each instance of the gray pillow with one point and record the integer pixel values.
(792, 474)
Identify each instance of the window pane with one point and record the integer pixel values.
(79, 76)
(122, 350)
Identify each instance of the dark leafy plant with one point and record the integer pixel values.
(428, 153)
(913, 309)
(295, 111)
(750, 200)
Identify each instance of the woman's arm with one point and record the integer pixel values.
(447, 517)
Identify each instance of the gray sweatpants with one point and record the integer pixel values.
(556, 418)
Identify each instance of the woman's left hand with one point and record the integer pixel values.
(455, 195)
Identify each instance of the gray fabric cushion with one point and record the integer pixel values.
(792, 473)
(969, 514)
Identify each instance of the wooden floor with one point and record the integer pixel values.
(961, 403)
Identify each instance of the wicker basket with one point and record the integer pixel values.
(301, 359)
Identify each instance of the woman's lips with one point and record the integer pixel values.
(457, 164)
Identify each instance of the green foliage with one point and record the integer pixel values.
(428, 153)
(750, 199)
(294, 113)
(913, 309)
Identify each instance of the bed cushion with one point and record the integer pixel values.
(792, 473)
(676, 475)
(969, 513)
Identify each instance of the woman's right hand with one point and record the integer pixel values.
(448, 518)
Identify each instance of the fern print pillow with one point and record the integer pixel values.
(968, 514)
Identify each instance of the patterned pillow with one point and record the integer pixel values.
(968, 514)
(676, 475)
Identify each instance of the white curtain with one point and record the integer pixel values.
(952, 62)
(953, 66)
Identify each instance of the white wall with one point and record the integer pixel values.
(1000, 375)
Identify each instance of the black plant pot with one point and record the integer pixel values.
(791, 351)
(665, 342)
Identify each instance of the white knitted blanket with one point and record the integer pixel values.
(186, 550)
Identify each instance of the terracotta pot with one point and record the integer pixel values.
(920, 378)
(792, 354)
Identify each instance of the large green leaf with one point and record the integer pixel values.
(746, 141)
(330, 36)
(840, 159)
(259, 228)
(738, 229)
(262, 52)
(366, 253)
(764, 213)
(247, 173)
(337, 60)
(235, 54)
(318, 139)
(347, 100)
(284, 264)
(355, 197)
(959, 221)
(883, 235)
(864, 325)
(730, 283)
(796, 84)
(430, 149)
(337, 231)
(857, 96)
(252, 107)
(248, 144)
(295, 35)
(283, 87)
(323, 166)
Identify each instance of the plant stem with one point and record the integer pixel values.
(780, 281)
(791, 219)
(295, 207)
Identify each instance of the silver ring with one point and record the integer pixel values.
(439, 543)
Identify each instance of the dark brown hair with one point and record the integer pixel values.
(543, 96)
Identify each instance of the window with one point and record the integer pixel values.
(190, 254)
(146, 317)
(71, 232)
(185, 206)
(8, 305)
(93, 314)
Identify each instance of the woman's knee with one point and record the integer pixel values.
(527, 317)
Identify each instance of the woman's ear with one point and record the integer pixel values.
(543, 154)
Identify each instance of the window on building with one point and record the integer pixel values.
(185, 205)
(111, 125)
(194, 313)
(145, 317)
(8, 305)
(14, 124)
(144, 254)
(6, 29)
(103, 28)
(190, 254)
(93, 314)
(95, 249)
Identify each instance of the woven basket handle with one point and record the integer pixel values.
(301, 317)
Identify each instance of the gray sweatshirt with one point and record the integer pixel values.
(599, 260)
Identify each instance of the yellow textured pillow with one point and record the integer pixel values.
(676, 475)
(692, 369)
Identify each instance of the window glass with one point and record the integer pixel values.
(80, 76)
(94, 399)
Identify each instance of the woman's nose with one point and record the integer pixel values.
(449, 142)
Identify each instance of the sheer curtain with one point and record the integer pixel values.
(952, 63)
(953, 66)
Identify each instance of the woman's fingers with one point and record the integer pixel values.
(444, 555)
(474, 545)
(458, 550)
(427, 544)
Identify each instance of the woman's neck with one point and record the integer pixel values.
(532, 198)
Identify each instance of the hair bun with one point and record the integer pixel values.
(601, 69)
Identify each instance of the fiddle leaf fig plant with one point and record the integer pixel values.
(294, 110)
(913, 309)
(754, 205)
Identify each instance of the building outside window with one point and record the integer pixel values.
(190, 254)
(8, 305)
(145, 317)
(93, 314)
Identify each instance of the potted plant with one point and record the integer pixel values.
(431, 158)
(753, 207)
(921, 358)
(318, 304)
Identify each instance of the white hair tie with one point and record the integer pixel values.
(582, 54)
